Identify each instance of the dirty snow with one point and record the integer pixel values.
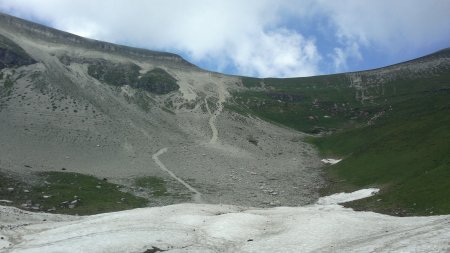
(331, 161)
(347, 197)
(322, 227)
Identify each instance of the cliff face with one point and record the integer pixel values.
(50, 35)
(11, 55)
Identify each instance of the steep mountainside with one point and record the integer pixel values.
(147, 120)
(89, 127)
(391, 125)
(152, 124)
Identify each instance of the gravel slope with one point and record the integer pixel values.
(58, 116)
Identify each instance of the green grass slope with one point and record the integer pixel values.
(311, 104)
(406, 155)
(397, 140)
(67, 193)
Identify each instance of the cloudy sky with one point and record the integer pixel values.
(280, 38)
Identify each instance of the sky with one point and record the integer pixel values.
(261, 38)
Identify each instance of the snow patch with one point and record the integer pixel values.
(347, 197)
(331, 161)
(4, 243)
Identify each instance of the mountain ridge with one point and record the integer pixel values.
(58, 36)
(48, 32)
(112, 114)
(222, 163)
(98, 113)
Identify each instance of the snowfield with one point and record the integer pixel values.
(323, 227)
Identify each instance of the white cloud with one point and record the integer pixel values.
(389, 23)
(234, 33)
(341, 55)
(393, 27)
(277, 53)
(339, 58)
(254, 37)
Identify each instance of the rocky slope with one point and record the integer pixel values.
(106, 110)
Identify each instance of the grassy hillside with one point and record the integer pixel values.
(406, 154)
(312, 105)
(67, 193)
(397, 139)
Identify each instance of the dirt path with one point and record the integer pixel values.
(214, 139)
(212, 119)
(197, 195)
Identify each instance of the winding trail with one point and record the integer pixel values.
(214, 139)
(197, 195)
(212, 119)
